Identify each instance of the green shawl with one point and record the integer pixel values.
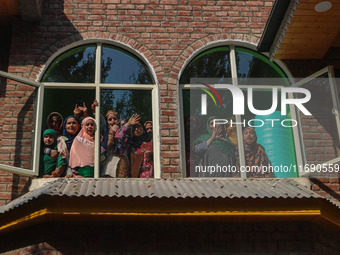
(48, 164)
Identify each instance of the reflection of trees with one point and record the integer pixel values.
(141, 77)
(127, 102)
(135, 101)
(254, 71)
(76, 65)
(212, 65)
(107, 101)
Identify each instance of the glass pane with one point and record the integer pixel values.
(121, 67)
(268, 139)
(127, 150)
(320, 137)
(69, 97)
(205, 158)
(76, 65)
(55, 116)
(17, 124)
(254, 65)
(214, 63)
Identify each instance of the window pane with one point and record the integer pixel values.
(76, 65)
(17, 124)
(214, 63)
(272, 143)
(127, 151)
(320, 137)
(254, 65)
(69, 97)
(121, 67)
(59, 104)
(205, 159)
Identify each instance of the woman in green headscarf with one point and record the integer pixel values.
(50, 167)
(214, 150)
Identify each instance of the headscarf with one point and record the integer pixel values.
(59, 130)
(112, 112)
(147, 122)
(48, 164)
(104, 128)
(137, 141)
(82, 151)
(69, 137)
(250, 146)
(53, 133)
(255, 154)
(222, 145)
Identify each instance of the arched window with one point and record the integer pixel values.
(225, 90)
(116, 78)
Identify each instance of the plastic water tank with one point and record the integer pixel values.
(279, 144)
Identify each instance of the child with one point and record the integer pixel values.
(51, 167)
(82, 150)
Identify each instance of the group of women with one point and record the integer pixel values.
(219, 147)
(68, 146)
(127, 147)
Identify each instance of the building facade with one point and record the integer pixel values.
(140, 55)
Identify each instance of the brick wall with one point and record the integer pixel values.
(5, 35)
(11, 186)
(166, 32)
(270, 238)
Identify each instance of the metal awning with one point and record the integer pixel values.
(168, 200)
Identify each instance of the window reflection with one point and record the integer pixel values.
(119, 66)
(253, 65)
(201, 152)
(127, 137)
(321, 136)
(209, 64)
(274, 142)
(213, 67)
(76, 65)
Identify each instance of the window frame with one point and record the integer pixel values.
(336, 111)
(299, 153)
(97, 86)
(37, 127)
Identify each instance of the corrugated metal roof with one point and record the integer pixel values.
(168, 188)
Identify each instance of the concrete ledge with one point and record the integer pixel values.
(39, 182)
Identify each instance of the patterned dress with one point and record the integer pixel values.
(141, 158)
(256, 156)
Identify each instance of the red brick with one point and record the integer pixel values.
(169, 169)
(169, 141)
(168, 154)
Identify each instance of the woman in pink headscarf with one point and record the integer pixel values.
(82, 150)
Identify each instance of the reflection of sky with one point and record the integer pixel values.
(89, 51)
(243, 65)
(123, 67)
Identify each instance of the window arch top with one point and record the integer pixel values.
(117, 66)
(120, 66)
(215, 63)
(212, 63)
(252, 65)
(76, 65)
